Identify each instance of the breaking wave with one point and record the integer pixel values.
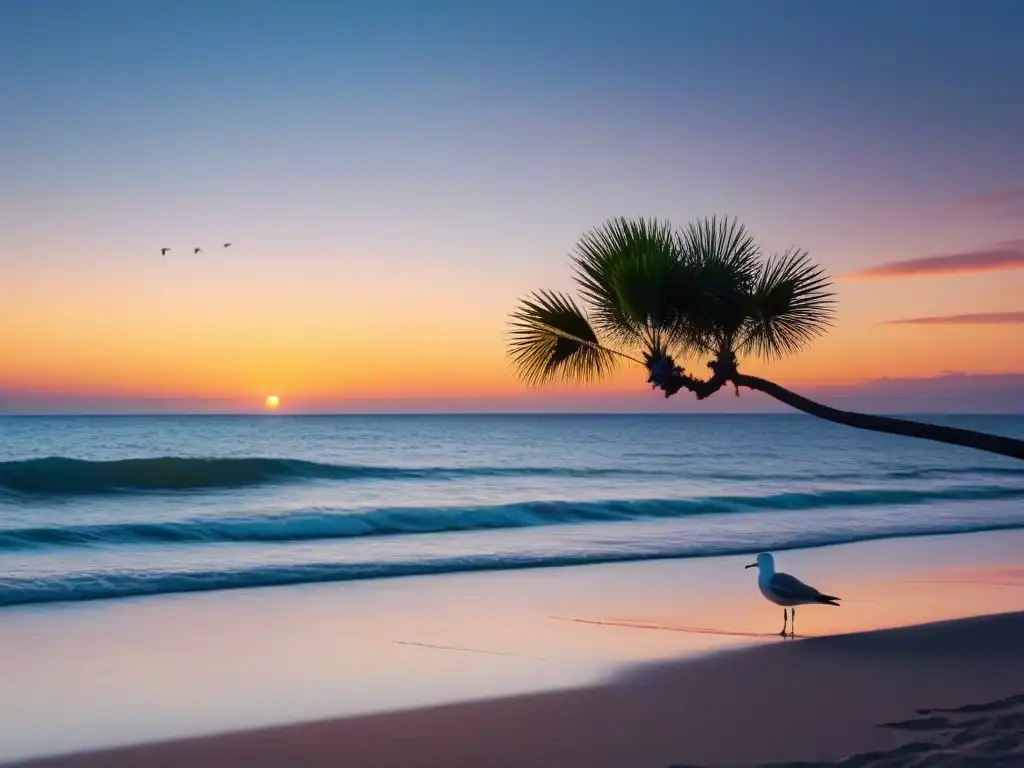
(313, 525)
(122, 584)
(57, 475)
(61, 476)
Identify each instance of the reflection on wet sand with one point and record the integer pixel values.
(667, 627)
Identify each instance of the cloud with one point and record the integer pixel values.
(20, 401)
(1002, 197)
(976, 318)
(948, 393)
(1008, 255)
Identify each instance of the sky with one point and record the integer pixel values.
(394, 176)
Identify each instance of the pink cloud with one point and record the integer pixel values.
(1002, 197)
(976, 318)
(19, 401)
(1008, 255)
(948, 393)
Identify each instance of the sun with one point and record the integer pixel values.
(273, 401)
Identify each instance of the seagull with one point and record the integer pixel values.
(198, 250)
(227, 245)
(163, 251)
(785, 590)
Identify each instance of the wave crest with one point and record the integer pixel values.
(104, 586)
(338, 524)
(60, 476)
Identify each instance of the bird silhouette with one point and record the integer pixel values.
(198, 250)
(163, 251)
(227, 245)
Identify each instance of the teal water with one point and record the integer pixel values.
(108, 507)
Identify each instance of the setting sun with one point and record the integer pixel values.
(273, 401)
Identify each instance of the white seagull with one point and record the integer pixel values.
(785, 590)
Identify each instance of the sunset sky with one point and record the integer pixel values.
(395, 175)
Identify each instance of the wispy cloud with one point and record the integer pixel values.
(948, 393)
(1008, 255)
(1004, 202)
(17, 401)
(977, 318)
(1002, 197)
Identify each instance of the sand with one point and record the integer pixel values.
(949, 693)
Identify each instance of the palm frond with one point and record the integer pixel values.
(625, 269)
(726, 261)
(551, 338)
(722, 247)
(790, 305)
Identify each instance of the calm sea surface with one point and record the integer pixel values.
(105, 507)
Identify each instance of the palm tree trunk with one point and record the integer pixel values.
(1004, 446)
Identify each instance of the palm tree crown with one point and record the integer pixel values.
(656, 295)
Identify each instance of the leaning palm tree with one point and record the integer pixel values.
(655, 296)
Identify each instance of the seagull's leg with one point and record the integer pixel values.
(784, 619)
(792, 622)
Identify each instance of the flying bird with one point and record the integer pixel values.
(198, 250)
(163, 251)
(227, 245)
(785, 590)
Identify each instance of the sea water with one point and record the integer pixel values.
(95, 508)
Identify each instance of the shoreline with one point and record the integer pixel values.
(470, 570)
(94, 678)
(864, 692)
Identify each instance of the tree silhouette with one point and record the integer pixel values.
(655, 295)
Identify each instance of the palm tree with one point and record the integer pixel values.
(655, 296)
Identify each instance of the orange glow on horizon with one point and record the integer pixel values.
(224, 366)
(327, 337)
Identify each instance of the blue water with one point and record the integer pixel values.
(107, 507)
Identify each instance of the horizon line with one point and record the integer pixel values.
(335, 414)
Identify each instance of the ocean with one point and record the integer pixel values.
(95, 508)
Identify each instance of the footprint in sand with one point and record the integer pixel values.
(996, 739)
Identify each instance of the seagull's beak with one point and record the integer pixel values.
(752, 565)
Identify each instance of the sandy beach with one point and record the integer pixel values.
(636, 664)
(949, 693)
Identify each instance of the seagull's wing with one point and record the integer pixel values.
(791, 588)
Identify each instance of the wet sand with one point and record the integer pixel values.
(949, 693)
